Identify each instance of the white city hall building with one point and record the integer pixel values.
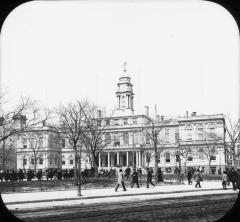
(189, 141)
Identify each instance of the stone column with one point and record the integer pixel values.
(99, 160)
(108, 159)
(117, 158)
(127, 158)
(140, 159)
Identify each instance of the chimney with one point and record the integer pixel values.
(99, 114)
(158, 118)
(155, 112)
(146, 111)
(162, 118)
(194, 114)
(187, 114)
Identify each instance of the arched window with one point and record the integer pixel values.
(107, 138)
(167, 157)
(201, 154)
(24, 159)
(63, 160)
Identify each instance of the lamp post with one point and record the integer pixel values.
(79, 172)
(133, 163)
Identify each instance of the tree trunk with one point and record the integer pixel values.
(156, 158)
(35, 165)
(75, 167)
(3, 156)
(185, 166)
(209, 166)
(234, 162)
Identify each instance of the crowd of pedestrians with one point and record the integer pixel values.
(135, 176)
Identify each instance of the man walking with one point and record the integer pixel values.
(120, 180)
(149, 178)
(189, 177)
(224, 180)
(134, 178)
(233, 178)
(198, 178)
(127, 172)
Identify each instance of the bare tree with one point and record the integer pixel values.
(17, 119)
(210, 152)
(232, 138)
(7, 147)
(152, 134)
(72, 125)
(184, 152)
(95, 135)
(35, 141)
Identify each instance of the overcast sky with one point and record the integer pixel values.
(181, 55)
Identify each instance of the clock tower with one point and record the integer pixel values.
(125, 93)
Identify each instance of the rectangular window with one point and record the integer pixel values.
(168, 170)
(116, 122)
(177, 158)
(32, 161)
(40, 142)
(63, 143)
(125, 121)
(71, 162)
(24, 162)
(24, 141)
(41, 161)
(63, 162)
(212, 157)
(125, 138)
(107, 122)
(135, 138)
(200, 136)
(190, 158)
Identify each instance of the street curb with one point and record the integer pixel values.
(114, 195)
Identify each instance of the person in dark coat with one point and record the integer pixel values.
(198, 178)
(127, 172)
(6, 175)
(238, 179)
(1, 175)
(59, 174)
(149, 178)
(189, 177)
(233, 178)
(120, 181)
(160, 176)
(30, 175)
(39, 174)
(20, 175)
(134, 178)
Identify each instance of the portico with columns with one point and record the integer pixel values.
(111, 159)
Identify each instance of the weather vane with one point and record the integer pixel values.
(125, 66)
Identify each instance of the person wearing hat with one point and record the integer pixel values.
(149, 178)
(120, 181)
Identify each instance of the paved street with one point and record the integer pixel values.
(208, 207)
(163, 202)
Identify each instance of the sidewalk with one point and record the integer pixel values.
(17, 198)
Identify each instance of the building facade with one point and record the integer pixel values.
(186, 142)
